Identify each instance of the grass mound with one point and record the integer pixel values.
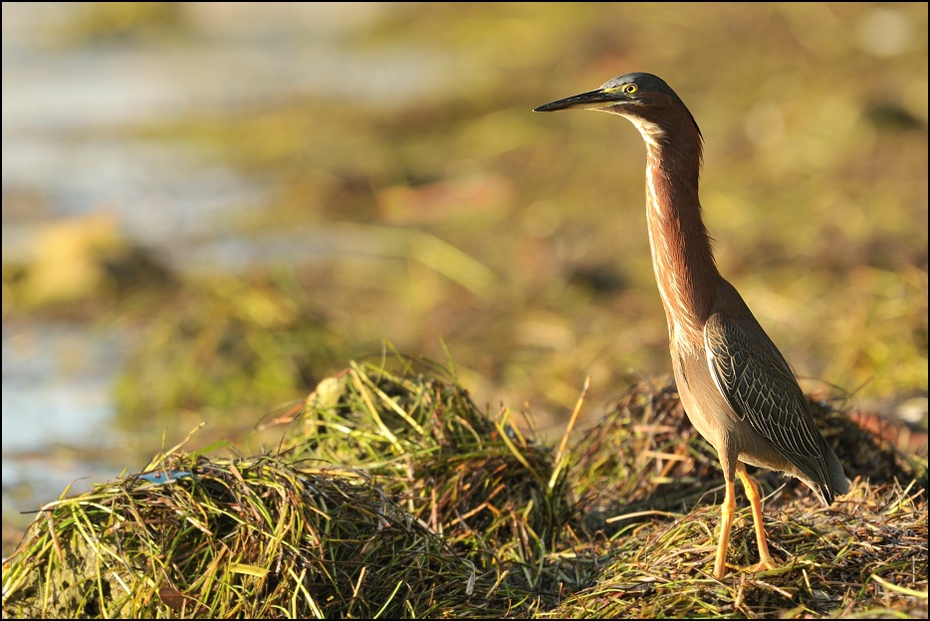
(392, 495)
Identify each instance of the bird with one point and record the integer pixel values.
(736, 387)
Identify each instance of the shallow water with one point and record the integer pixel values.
(64, 105)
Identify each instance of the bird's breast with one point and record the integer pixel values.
(707, 409)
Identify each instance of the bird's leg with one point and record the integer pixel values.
(755, 500)
(726, 521)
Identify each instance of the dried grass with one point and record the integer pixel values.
(392, 495)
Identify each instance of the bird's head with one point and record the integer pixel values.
(643, 98)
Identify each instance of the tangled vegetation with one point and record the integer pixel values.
(391, 495)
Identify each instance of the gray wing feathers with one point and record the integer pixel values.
(760, 387)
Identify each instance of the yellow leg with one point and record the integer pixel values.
(726, 521)
(755, 500)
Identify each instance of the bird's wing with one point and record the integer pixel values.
(760, 387)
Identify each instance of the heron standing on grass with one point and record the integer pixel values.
(736, 387)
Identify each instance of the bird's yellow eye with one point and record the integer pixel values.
(629, 89)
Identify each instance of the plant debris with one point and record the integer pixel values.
(393, 495)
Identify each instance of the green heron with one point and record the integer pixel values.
(735, 386)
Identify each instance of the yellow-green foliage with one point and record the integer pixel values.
(391, 495)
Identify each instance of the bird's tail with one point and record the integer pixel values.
(836, 481)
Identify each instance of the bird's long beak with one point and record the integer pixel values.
(591, 99)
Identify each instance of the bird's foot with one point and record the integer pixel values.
(766, 564)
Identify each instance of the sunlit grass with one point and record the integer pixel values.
(391, 494)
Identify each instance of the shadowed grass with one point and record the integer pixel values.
(473, 478)
(836, 565)
(254, 538)
(393, 496)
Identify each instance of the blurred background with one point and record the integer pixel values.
(207, 208)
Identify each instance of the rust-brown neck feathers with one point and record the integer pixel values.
(684, 266)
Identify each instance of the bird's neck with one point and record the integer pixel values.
(682, 259)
